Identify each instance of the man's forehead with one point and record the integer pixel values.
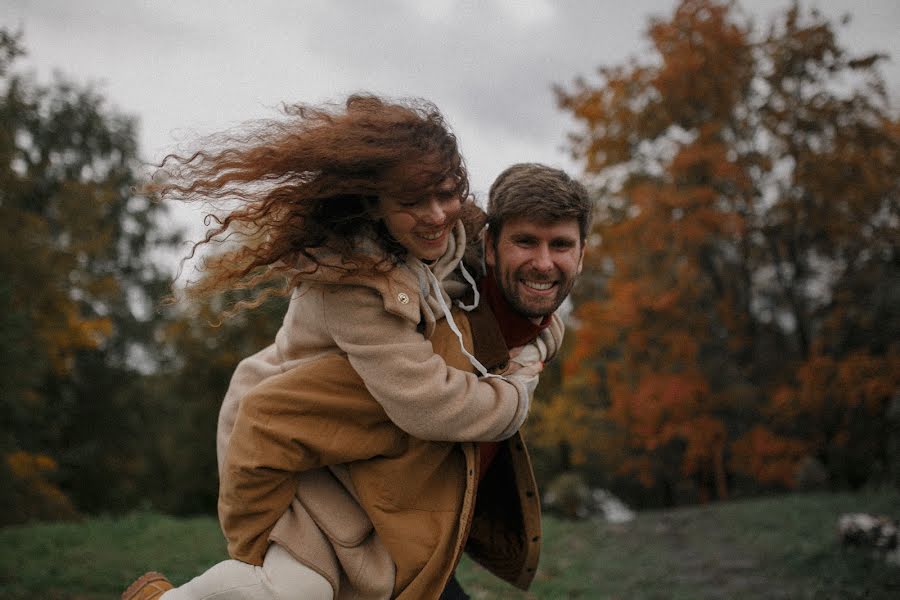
(542, 227)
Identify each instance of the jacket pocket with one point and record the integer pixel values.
(333, 508)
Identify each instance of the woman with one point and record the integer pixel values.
(362, 209)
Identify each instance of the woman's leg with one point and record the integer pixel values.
(280, 578)
(289, 579)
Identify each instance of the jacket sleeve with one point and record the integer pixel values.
(545, 347)
(417, 389)
(315, 414)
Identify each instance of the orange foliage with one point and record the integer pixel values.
(747, 249)
(77, 333)
(36, 496)
(768, 457)
(833, 399)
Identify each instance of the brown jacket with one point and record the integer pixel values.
(419, 496)
(340, 324)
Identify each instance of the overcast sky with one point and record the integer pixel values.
(191, 67)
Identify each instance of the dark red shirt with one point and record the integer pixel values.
(517, 331)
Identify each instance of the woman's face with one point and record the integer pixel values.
(423, 226)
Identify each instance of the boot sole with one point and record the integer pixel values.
(144, 581)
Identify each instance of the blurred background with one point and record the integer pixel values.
(737, 328)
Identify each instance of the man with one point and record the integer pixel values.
(392, 514)
(538, 220)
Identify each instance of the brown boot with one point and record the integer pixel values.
(148, 586)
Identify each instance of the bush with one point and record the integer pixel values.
(29, 492)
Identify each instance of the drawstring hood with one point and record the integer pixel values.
(430, 277)
(434, 299)
(475, 292)
(453, 327)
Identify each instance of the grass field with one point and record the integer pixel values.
(780, 547)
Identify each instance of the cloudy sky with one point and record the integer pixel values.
(191, 67)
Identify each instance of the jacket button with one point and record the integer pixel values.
(403, 298)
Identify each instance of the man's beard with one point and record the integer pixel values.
(533, 308)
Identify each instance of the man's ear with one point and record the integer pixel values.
(581, 259)
(373, 208)
(490, 253)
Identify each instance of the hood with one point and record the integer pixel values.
(372, 267)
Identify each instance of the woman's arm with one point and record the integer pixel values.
(419, 390)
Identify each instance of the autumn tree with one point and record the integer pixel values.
(202, 347)
(747, 232)
(77, 291)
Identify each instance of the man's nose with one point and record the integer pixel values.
(541, 259)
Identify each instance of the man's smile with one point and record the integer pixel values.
(538, 286)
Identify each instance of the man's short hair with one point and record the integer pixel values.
(540, 193)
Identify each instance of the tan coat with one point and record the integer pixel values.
(336, 321)
(419, 495)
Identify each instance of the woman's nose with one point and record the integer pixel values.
(434, 213)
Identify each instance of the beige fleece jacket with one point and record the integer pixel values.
(381, 322)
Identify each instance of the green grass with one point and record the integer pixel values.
(780, 547)
(98, 558)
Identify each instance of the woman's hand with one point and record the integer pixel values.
(524, 362)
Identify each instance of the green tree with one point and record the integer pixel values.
(78, 289)
(202, 349)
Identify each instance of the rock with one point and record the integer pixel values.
(875, 532)
(613, 509)
(569, 496)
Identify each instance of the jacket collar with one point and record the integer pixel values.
(402, 286)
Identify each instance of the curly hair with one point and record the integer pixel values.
(309, 181)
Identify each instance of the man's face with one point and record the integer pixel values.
(535, 263)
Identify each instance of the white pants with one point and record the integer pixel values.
(280, 577)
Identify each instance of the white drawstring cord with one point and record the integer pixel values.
(440, 296)
(471, 281)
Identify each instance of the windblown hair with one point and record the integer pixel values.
(539, 193)
(309, 181)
